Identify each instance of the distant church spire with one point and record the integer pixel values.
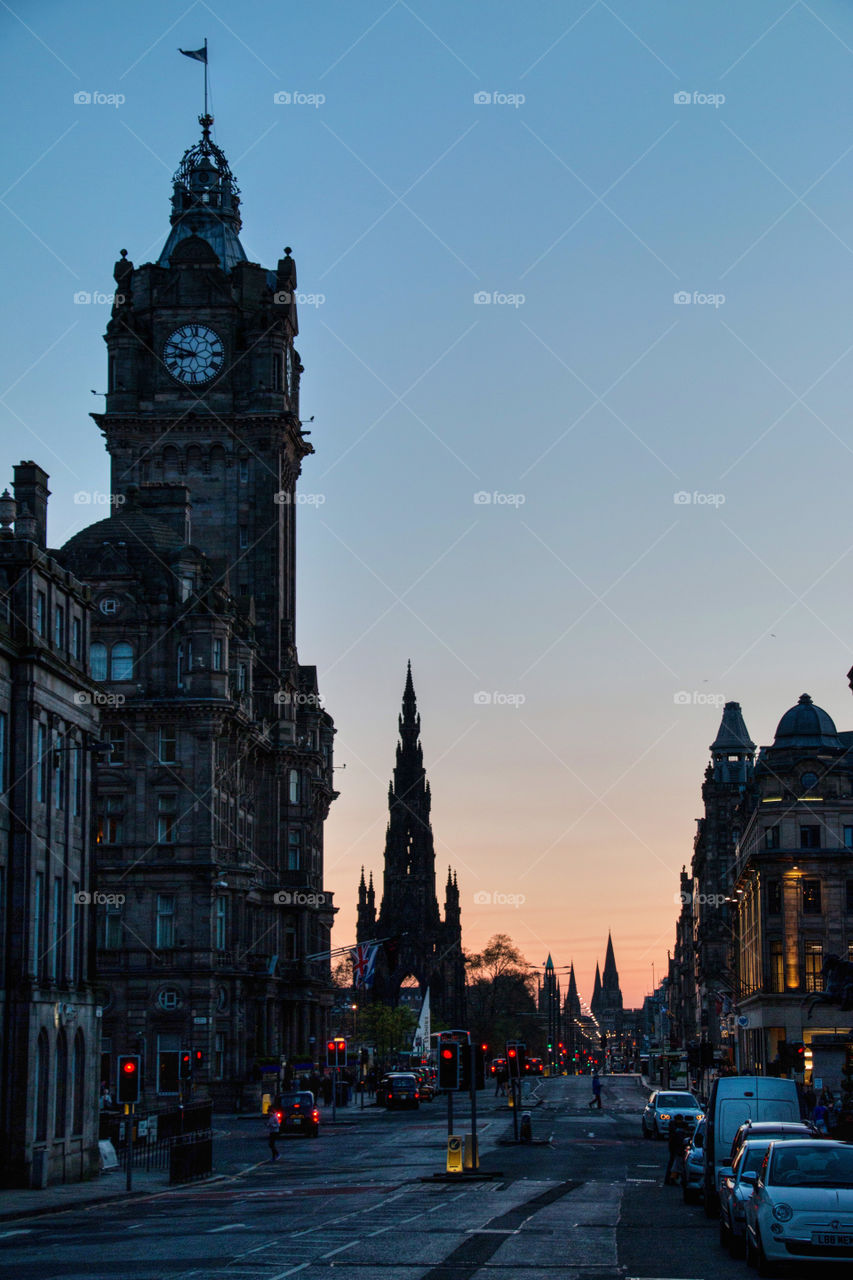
(573, 1003)
(596, 990)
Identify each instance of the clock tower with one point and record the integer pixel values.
(213, 916)
(203, 390)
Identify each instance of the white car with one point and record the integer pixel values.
(735, 1189)
(663, 1106)
(802, 1206)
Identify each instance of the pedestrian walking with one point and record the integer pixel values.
(500, 1084)
(273, 1132)
(677, 1142)
(595, 1100)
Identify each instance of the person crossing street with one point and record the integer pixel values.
(273, 1131)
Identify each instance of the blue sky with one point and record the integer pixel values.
(582, 394)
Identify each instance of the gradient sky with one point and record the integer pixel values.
(586, 402)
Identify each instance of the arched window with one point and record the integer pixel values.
(41, 1083)
(78, 1083)
(98, 660)
(121, 661)
(61, 1092)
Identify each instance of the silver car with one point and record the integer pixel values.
(663, 1106)
(735, 1189)
(694, 1164)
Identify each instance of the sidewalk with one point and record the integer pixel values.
(16, 1204)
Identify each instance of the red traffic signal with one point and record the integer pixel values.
(336, 1052)
(449, 1066)
(185, 1065)
(128, 1078)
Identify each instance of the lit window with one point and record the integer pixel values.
(811, 898)
(814, 966)
(111, 820)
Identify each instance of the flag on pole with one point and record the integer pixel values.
(363, 964)
(200, 55)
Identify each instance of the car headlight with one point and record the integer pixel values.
(783, 1212)
(664, 1115)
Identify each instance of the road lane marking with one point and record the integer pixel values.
(340, 1249)
(292, 1271)
(230, 1226)
(21, 1231)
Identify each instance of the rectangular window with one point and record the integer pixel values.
(771, 837)
(168, 744)
(294, 851)
(774, 897)
(74, 936)
(168, 1052)
(810, 837)
(221, 923)
(216, 659)
(38, 908)
(165, 920)
(3, 751)
(814, 965)
(167, 808)
(76, 639)
(59, 755)
(244, 538)
(244, 470)
(241, 677)
(111, 820)
(219, 1056)
(41, 613)
(777, 966)
(110, 921)
(59, 627)
(276, 371)
(293, 795)
(56, 930)
(811, 898)
(114, 734)
(289, 944)
(41, 763)
(76, 781)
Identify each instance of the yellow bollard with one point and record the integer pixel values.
(471, 1155)
(454, 1154)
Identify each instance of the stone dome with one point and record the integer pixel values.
(806, 726)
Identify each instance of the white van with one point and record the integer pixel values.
(733, 1100)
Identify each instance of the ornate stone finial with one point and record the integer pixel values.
(804, 700)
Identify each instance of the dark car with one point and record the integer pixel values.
(399, 1089)
(778, 1130)
(298, 1114)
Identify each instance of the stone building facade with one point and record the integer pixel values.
(794, 890)
(212, 803)
(49, 731)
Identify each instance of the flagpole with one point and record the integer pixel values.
(205, 75)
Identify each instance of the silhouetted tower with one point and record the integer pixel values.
(430, 948)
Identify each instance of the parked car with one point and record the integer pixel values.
(663, 1106)
(802, 1206)
(426, 1088)
(734, 1100)
(298, 1114)
(694, 1164)
(399, 1089)
(770, 1129)
(735, 1189)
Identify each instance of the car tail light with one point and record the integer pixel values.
(315, 1115)
(278, 1116)
(417, 1095)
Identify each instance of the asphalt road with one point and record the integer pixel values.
(585, 1200)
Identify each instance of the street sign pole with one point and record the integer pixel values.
(475, 1156)
(129, 1145)
(449, 1112)
(334, 1092)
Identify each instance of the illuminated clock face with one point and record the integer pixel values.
(194, 354)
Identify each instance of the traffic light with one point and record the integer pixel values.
(797, 1056)
(516, 1059)
(185, 1065)
(449, 1065)
(480, 1066)
(336, 1052)
(199, 1059)
(128, 1077)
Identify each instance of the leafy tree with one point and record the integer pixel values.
(500, 994)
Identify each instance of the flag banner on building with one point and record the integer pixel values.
(363, 964)
(200, 55)
(420, 1040)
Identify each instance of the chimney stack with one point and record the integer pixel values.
(31, 491)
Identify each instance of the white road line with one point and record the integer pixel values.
(22, 1231)
(340, 1249)
(230, 1226)
(291, 1272)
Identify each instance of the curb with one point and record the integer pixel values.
(43, 1210)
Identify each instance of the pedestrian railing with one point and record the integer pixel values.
(190, 1157)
